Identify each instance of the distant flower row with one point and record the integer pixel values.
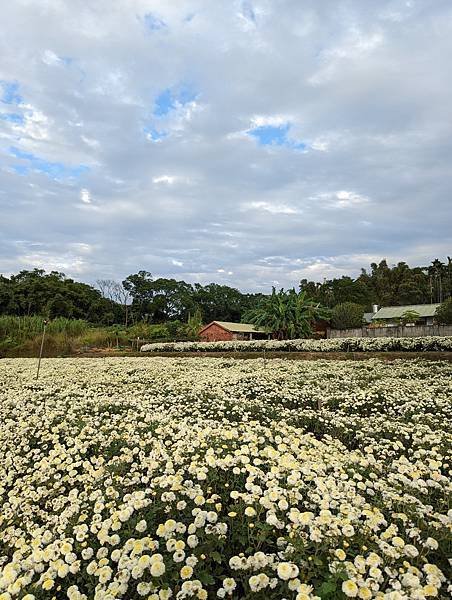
(383, 344)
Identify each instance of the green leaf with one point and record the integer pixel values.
(206, 578)
(326, 588)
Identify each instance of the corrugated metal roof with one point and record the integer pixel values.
(239, 327)
(395, 312)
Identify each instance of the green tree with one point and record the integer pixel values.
(220, 302)
(51, 294)
(347, 315)
(171, 299)
(443, 313)
(194, 323)
(409, 316)
(286, 314)
(139, 286)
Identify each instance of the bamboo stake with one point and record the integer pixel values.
(42, 346)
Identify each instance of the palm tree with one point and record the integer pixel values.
(287, 314)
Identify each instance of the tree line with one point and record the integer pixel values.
(139, 297)
(142, 298)
(395, 285)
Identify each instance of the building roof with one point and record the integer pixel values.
(236, 327)
(367, 317)
(395, 312)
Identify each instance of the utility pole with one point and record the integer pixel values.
(42, 346)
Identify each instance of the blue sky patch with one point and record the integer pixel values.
(153, 23)
(170, 99)
(21, 169)
(9, 91)
(163, 103)
(54, 170)
(12, 118)
(275, 135)
(154, 135)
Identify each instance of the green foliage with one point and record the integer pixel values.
(444, 313)
(388, 286)
(409, 316)
(21, 336)
(141, 298)
(54, 295)
(347, 315)
(286, 314)
(194, 324)
(163, 300)
(20, 329)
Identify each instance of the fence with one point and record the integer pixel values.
(400, 331)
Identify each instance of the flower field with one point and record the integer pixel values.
(162, 478)
(381, 344)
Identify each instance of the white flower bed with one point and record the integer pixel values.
(179, 478)
(383, 344)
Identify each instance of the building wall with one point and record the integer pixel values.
(416, 331)
(215, 333)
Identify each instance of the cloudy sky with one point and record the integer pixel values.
(249, 142)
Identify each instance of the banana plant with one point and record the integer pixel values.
(287, 314)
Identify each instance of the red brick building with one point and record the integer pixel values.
(224, 331)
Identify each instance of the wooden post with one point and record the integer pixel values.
(42, 346)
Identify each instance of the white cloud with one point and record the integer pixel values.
(273, 208)
(65, 262)
(346, 198)
(269, 120)
(168, 179)
(85, 196)
(360, 83)
(50, 58)
(90, 142)
(35, 126)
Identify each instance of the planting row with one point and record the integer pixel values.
(383, 344)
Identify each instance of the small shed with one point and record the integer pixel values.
(224, 331)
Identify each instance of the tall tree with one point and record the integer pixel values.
(139, 286)
(287, 314)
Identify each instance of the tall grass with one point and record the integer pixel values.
(21, 329)
(21, 336)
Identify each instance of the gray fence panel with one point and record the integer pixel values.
(416, 331)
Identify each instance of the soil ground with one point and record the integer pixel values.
(103, 353)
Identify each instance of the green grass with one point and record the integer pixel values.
(21, 336)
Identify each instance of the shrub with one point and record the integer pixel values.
(347, 315)
(444, 312)
(409, 316)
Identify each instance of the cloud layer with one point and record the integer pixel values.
(249, 143)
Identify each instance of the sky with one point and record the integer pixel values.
(251, 143)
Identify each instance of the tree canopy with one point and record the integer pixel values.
(142, 297)
(347, 315)
(287, 314)
(386, 285)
